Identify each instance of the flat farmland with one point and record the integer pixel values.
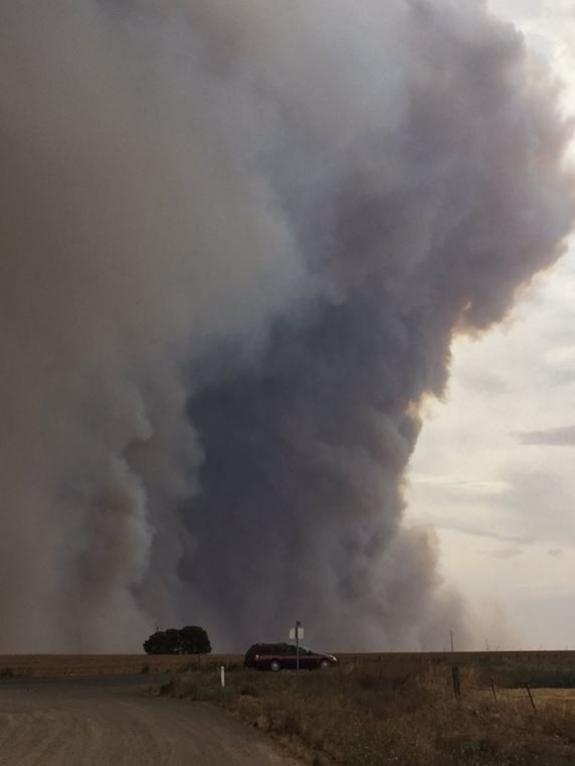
(554, 668)
(101, 665)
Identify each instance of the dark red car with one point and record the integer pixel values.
(278, 656)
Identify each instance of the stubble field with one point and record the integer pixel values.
(538, 668)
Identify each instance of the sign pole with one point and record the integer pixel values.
(297, 626)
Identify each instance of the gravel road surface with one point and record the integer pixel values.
(118, 723)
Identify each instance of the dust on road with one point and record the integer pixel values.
(96, 723)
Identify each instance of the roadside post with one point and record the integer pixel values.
(493, 690)
(223, 676)
(456, 679)
(531, 700)
(296, 633)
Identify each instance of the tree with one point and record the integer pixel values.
(173, 641)
(155, 643)
(189, 640)
(195, 640)
(162, 642)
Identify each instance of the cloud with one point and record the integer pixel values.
(486, 382)
(453, 484)
(508, 552)
(564, 436)
(471, 529)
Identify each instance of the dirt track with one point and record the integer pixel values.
(96, 723)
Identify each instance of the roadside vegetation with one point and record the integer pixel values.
(400, 713)
(542, 672)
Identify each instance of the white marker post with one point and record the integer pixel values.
(223, 676)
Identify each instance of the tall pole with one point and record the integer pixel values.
(297, 626)
(451, 639)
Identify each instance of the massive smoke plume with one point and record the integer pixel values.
(235, 243)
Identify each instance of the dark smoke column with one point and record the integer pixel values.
(420, 207)
(236, 241)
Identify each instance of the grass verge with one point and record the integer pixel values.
(382, 716)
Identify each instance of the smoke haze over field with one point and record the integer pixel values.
(235, 245)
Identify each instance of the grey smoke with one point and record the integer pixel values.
(236, 242)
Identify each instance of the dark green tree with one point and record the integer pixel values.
(164, 642)
(189, 640)
(195, 640)
(157, 643)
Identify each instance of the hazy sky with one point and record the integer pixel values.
(494, 471)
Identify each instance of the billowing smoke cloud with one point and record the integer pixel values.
(235, 244)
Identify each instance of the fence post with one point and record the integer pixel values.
(531, 697)
(455, 677)
(493, 690)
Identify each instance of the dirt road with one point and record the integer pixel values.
(96, 723)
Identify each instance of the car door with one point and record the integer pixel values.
(308, 659)
(305, 658)
(290, 657)
(276, 653)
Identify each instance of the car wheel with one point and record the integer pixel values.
(275, 666)
(324, 664)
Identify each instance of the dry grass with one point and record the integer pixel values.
(375, 715)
